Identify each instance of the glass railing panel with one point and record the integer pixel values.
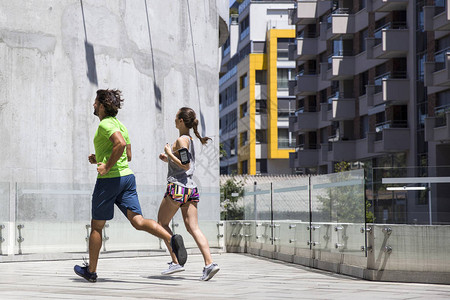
(440, 113)
(4, 218)
(52, 217)
(56, 218)
(338, 203)
(440, 58)
(291, 200)
(257, 202)
(291, 212)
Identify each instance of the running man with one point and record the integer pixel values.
(116, 184)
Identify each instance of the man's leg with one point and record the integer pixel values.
(148, 225)
(95, 243)
(152, 227)
(167, 210)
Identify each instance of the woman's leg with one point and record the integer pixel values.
(190, 217)
(167, 210)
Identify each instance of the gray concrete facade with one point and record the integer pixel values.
(54, 56)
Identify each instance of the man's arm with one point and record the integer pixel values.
(129, 152)
(119, 145)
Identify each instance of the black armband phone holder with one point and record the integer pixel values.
(184, 156)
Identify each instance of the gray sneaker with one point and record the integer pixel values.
(173, 268)
(209, 272)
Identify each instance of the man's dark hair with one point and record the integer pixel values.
(111, 100)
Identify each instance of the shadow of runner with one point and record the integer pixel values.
(171, 278)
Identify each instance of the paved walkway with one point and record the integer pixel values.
(241, 277)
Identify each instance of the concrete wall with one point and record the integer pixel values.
(55, 55)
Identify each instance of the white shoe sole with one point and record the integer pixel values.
(172, 272)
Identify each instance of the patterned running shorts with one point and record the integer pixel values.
(182, 194)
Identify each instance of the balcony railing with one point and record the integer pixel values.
(243, 6)
(378, 83)
(245, 33)
(286, 143)
(228, 75)
(440, 59)
(439, 6)
(341, 11)
(388, 124)
(440, 115)
(391, 25)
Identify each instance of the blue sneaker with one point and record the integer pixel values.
(176, 242)
(84, 272)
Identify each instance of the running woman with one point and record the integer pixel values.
(182, 191)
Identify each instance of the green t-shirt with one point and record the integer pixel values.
(103, 147)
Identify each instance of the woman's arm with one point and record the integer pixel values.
(180, 143)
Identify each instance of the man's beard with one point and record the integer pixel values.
(95, 112)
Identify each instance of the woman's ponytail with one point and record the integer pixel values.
(190, 120)
(203, 140)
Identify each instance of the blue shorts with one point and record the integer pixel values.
(118, 190)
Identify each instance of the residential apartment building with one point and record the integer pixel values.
(373, 89)
(255, 104)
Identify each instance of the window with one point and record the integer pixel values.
(261, 136)
(363, 80)
(283, 77)
(261, 166)
(362, 39)
(261, 107)
(282, 48)
(244, 27)
(363, 126)
(243, 138)
(233, 147)
(261, 77)
(286, 107)
(243, 81)
(243, 110)
(284, 139)
(244, 167)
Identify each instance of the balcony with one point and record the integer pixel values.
(292, 84)
(437, 73)
(390, 136)
(309, 10)
(394, 88)
(343, 22)
(343, 109)
(437, 128)
(308, 48)
(386, 5)
(306, 85)
(325, 29)
(304, 158)
(304, 122)
(342, 67)
(391, 40)
(366, 100)
(342, 151)
(437, 18)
